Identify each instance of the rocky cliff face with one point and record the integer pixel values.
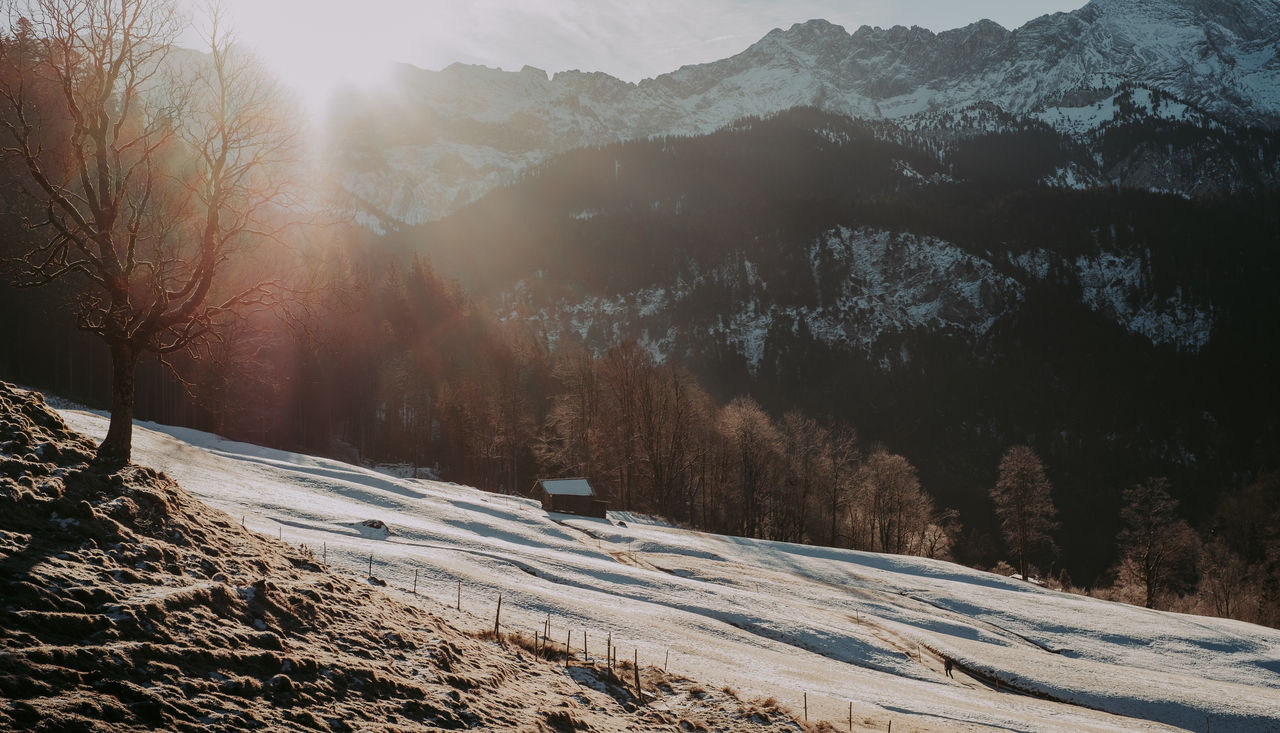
(442, 139)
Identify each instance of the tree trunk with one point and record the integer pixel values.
(118, 445)
(1022, 561)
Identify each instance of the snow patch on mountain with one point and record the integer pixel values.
(905, 170)
(1036, 263)
(1080, 118)
(747, 328)
(1118, 286)
(899, 282)
(1072, 176)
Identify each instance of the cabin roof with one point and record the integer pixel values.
(567, 486)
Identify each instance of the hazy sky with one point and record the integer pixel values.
(314, 44)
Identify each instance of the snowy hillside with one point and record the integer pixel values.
(470, 129)
(129, 605)
(768, 618)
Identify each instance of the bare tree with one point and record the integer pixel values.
(1156, 546)
(941, 532)
(144, 176)
(666, 407)
(842, 466)
(894, 509)
(512, 368)
(624, 368)
(1023, 503)
(805, 446)
(753, 445)
(571, 433)
(1224, 578)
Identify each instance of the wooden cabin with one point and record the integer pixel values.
(570, 496)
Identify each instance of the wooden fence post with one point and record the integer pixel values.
(635, 667)
(459, 595)
(415, 581)
(496, 617)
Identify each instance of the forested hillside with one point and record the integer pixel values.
(1127, 344)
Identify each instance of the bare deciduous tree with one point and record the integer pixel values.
(1156, 546)
(805, 446)
(841, 468)
(1224, 578)
(624, 369)
(1023, 503)
(143, 176)
(668, 402)
(573, 421)
(753, 443)
(895, 511)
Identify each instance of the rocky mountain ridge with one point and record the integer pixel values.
(441, 139)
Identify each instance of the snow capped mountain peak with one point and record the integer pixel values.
(815, 28)
(1219, 57)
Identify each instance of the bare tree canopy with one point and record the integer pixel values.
(144, 175)
(1023, 502)
(1156, 546)
(891, 507)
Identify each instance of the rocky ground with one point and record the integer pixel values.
(125, 604)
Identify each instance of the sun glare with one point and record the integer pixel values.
(315, 47)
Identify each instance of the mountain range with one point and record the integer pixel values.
(437, 140)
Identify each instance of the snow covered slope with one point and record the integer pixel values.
(768, 618)
(469, 129)
(129, 605)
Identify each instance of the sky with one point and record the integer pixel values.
(316, 45)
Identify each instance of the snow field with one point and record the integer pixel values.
(769, 619)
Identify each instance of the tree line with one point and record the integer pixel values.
(1231, 568)
(413, 372)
